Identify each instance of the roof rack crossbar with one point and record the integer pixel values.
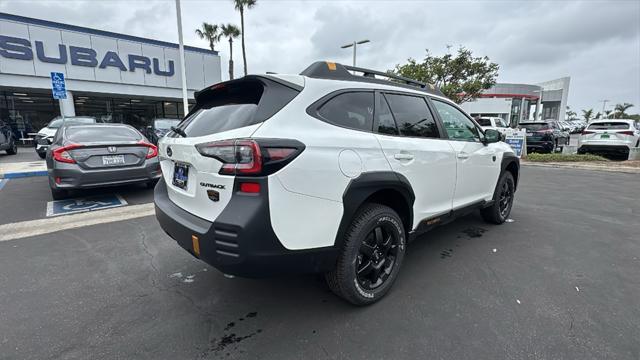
(371, 74)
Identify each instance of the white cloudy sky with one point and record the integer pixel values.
(597, 43)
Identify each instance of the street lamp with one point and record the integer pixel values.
(354, 44)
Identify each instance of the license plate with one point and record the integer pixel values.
(113, 160)
(181, 175)
(604, 136)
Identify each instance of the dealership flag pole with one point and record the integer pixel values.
(185, 102)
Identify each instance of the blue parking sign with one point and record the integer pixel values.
(78, 205)
(58, 86)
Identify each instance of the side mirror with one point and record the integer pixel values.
(492, 136)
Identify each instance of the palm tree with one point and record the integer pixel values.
(209, 32)
(598, 115)
(241, 5)
(620, 110)
(587, 114)
(570, 114)
(607, 113)
(230, 31)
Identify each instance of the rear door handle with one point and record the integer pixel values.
(403, 156)
(463, 155)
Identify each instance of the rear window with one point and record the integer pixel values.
(236, 104)
(484, 122)
(535, 126)
(609, 126)
(353, 110)
(71, 121)
(102, 134)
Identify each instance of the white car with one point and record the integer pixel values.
(44, 138)
(325, 172)
(612, 137)
(495, 123)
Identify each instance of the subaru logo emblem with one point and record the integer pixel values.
(112, 149)
(169, 151)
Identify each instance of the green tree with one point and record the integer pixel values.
(209, 32)
(607, 114)
(461, 77)
(598, 115)
(570, 114)
(587, 114)
(231, 32)
(620, 110)
(241, 5)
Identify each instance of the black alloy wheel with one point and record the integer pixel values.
(377, 256)
(506, 199)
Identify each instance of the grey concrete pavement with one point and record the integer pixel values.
(562, 281)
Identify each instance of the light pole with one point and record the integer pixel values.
(355, 45)
(185, 102)
(604, 103)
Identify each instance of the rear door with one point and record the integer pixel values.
(230, 110)
(412, 144)
(477, 166)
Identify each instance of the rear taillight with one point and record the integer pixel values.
(251, 157)
(61, 154)
(152, 150)
(628, 132)
(585, 132)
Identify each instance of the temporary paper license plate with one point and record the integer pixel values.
(113, 160)
(181, 175)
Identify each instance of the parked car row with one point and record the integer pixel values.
(572, 126)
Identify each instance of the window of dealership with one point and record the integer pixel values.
(28, 110)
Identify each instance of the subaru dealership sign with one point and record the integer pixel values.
(31, 49)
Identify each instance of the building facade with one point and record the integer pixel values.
(523, 102)
(114, 77)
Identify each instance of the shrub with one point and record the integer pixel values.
(563, 157)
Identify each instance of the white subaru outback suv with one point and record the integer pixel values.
(326, 172)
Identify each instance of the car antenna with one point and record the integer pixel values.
(178, 131)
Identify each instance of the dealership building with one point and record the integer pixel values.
(523, 102)
(113, 77)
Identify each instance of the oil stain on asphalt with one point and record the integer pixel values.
(474, 232)
(231, 338)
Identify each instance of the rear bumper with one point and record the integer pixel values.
(604, 149)
(543, 145)
(241, 240)
(73, 176)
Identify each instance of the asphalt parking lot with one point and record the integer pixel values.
(561, 281)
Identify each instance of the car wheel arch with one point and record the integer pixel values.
(511, 163)
(383, 187)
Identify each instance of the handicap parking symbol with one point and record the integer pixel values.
(91, 203)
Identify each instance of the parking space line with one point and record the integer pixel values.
(3, 182)
(45, 226)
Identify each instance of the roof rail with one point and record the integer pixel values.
(330, 70)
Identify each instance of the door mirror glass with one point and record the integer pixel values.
(491, 136)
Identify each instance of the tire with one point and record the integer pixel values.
(365, 248)
(59, 194)
(13, 148)
(497, 213)
(42, 155)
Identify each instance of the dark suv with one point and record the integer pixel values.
(7, 140)
(545, 136)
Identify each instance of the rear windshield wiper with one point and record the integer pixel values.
(178, 131)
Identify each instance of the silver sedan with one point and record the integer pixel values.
(89, 156)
